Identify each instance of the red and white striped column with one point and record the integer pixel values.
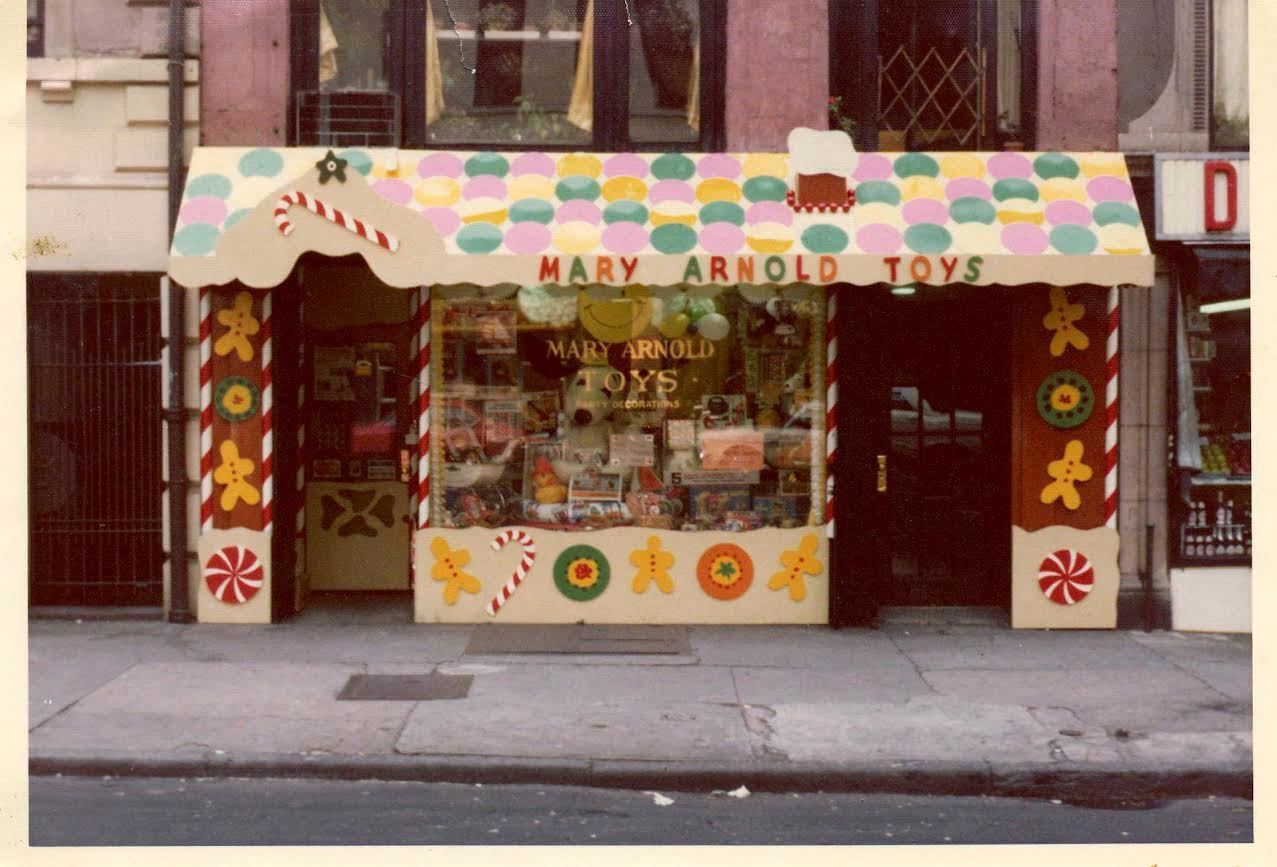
(206, 409)
(1112, 360)
(423, 407)
(268, 484)
(831, 402)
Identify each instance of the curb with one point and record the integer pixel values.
(1094, 784)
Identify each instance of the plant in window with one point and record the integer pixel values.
(498, 16)
(838, 117)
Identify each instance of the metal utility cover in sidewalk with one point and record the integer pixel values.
(405, 687)
(577, 638)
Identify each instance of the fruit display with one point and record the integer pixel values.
(1214, 460)
(1227, 457)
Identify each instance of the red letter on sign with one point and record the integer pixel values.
(549, 269)
(1210, 170)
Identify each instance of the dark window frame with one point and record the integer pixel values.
(35, 45)
(405, 74)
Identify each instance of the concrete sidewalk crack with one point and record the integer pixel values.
(63, 710)
(916, 668)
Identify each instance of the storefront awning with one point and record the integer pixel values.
(441, 217)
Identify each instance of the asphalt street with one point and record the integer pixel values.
(77, 811)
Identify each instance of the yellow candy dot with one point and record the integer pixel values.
(579, 164)
(878, 212)
(484, 210)
(775, 165)
(437, 192)
(1094, 165)
(625, 188)
(531, 187)
(577, 237)
(962, 166)
(717, 190)
(769, 238)
(673, 212)
(921, 187)
(1121, 239)
(1020, 211)
(1053, 189)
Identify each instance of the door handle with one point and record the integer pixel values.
(882, 473)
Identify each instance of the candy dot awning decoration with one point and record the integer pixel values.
(536, 218)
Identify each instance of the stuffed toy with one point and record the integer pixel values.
(587, 406)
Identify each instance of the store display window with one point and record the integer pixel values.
(677, 408)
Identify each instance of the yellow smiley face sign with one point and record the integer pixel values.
(619, 319)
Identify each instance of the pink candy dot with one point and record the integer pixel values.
(624, 238)
(484, 186)
(873, 167)
(1024, 239)
(203, 209)
(1107, 188)
(878, 238)
(722, 238)
(1063, 211)
(439, 165)
(625, 165)
(527, 238)
(445, 220)
(925, 211)
(532, 164)
(671, 191)
(718, 166)
(579, 209)
(393, 190)
(770, 212)
(960, 188)
(1010, 164)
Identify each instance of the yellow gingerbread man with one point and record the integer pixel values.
(1066, 471)
(1060, 320)
(797, 562)
(653, 565)
(240, 325)
(448, 568)
(233, 472)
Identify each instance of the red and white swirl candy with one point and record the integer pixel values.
(520, 571)
(233, 575)
(1066, 577)
(333, 215)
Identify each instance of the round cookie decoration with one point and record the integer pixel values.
(725, 571)
(1066, 577)
(236, 398)
(581, 573)
(233, 575)
(1065, 399)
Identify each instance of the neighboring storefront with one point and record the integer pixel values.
(624, 388)
(1203, 206)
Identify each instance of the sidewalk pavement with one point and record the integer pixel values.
(915, 706)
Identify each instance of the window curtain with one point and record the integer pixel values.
(434, 70)
(694, 89)
(581, 106)
(327, 48)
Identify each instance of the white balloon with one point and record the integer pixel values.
(713, 326)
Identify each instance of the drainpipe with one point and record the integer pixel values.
(175, 414)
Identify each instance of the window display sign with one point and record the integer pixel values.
(1203, 197)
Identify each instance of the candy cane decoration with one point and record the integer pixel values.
(321, 208)
(206, 409)
(520, 571)
(268, 438)
(831, 403)
(423, 408)
(1110, 411)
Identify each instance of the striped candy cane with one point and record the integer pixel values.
(268, 439)
(831, 402)
(520, 571)
(333, 215)
(206, 409)
(1110, 411)
(423, 408)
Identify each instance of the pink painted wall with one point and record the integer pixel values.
(1077, 83)
(244, 75)
(777, 71)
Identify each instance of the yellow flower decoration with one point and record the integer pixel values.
(797, 562)
(240, 326)
(1066, 471)
(1060, 320)
(653, 565)
(233, 473)
(448, 568)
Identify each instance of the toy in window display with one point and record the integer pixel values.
(547, 487)
(588, 409)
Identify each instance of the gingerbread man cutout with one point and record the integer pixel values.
(653, 565)
(1066, 471)
(233, 472)
(797, 562)
(1060, 320)
(448, 568)
(240, 325)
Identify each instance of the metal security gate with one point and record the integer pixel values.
(94, 402)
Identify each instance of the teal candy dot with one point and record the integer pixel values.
(765, 188)
(824, 238)
(357, 160)
(261, 162)
(675, 166)
(236, 217)
(1055, 165)
(969, 209)
(625, 211)
(1015, 188)
(877, 191)
(577, 187)
(197, 239)
(1073, 239)
(907, 165)
(723, 212)
(209, 185)
(673, 238)
(1115, 212)
(927, 238)
(487, 163)
(479, 238)
(531, 211)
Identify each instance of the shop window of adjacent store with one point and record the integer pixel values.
(555, 74)
(674, 408)
(35, 28)
(1230, 115)
(1211, 484)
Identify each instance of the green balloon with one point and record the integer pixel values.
(674, 327)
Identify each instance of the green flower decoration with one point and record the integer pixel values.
(332, 166)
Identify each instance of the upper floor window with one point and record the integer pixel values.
(1230, 118)
(35, 28)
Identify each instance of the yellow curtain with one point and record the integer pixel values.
(327, 48)
(694, 88)
(581, 108)
(434, 71)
